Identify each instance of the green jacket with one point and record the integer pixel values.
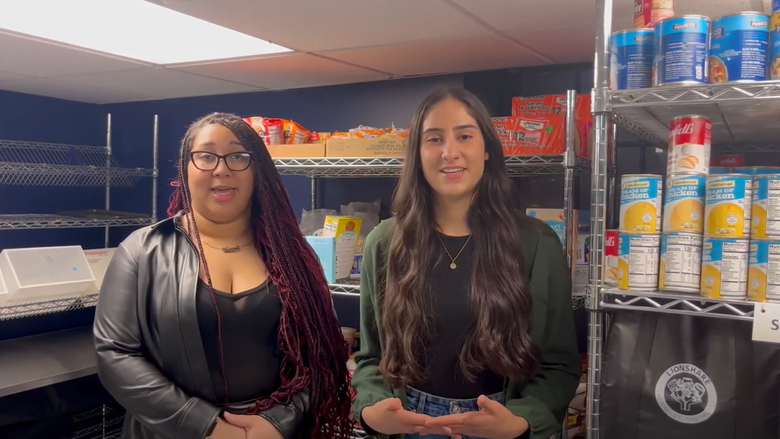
(543, 401)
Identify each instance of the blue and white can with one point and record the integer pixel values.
(774, 46)
(682, 50)
(775, 6)
(738, 48)
(631, 59)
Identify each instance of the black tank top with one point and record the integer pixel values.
(250, 323)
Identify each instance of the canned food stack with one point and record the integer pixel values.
(640, 231)
(665, 49)
(763, 282)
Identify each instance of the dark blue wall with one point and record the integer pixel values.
(321, 109)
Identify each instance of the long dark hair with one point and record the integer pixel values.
(314, 351)
(499, 338)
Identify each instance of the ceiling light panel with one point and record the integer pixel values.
(134, 29)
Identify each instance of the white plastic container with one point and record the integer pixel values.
(46, 272)
(99, 259)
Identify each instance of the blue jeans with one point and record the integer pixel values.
(435, 406)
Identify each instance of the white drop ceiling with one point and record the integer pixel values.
(334, 42)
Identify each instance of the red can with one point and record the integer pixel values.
(690, 138)
(649, 12)
(731, 160)
(610, 274)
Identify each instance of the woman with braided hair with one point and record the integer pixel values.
(217, 322)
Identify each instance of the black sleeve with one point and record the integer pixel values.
(287, 418)
(128, 376)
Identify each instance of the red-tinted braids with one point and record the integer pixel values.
(313, 348)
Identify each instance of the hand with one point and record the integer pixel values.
(492, 421)
(255, 427)
(389, 417)
(224, 430)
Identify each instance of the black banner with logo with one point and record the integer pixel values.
(668, 376)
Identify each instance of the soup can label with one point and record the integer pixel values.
(641, 198)
(738, 50)
(631, 59)
(724, 267)
(638, 261)
(775, 6)
(764, 270)
(727, 205)
(690, 139)
(680, 267)
(765, 213)
(774, 46)
(611, 257)
(684, 203)
(649, 12)
(682, 50)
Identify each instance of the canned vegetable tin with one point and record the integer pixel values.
(765, 212)
(631, 59)
(682, 50)
(738, 48)
(727, 205)
(724, 267)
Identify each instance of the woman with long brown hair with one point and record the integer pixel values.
(466, 321)
(218, 322)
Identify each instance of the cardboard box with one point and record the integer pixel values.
(365, 148)
(345, 229)
(325, 248)
(302, 150)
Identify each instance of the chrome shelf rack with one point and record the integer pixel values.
(677, 303)
(24, 163)
(744, 119)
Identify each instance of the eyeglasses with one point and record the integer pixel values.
(208, 161)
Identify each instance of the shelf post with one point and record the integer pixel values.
(108, 176)
(155, 170)
(598, 206)
(569, 159)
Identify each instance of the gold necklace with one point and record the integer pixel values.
(234, 249)
(453, 265)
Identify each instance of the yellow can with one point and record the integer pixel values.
(641, 198)
(764, 271)
(724, 268)
(684, 203)
(765, 222)
(727, 206)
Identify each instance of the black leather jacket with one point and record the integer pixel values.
(150, 356)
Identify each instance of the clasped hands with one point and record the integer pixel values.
(492, 421)
(244, 427)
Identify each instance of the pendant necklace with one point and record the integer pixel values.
(453, 265)
(233, 249)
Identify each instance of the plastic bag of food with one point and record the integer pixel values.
(271, 130)
(312, 221)
(294, 133)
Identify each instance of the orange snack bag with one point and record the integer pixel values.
(294, 133)
(271, 130)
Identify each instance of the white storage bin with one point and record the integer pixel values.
(99, 259)
(3, 289)
(46, 272)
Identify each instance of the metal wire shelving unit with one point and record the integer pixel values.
(744, 119)
(24, 163)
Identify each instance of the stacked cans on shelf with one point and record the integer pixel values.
(695, 236)
(665, 49)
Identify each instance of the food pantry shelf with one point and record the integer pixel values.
(44, 221)
(388, 167)
(677, 303)
(50, 164)
(740, 113)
